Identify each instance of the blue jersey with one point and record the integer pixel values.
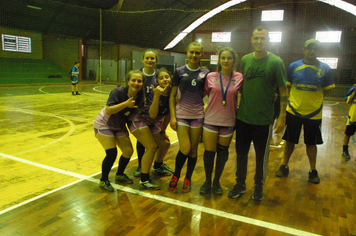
(75, 70)
(307, 82)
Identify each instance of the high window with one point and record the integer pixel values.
(16, 43)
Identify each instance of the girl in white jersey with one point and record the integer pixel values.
(219, 123)
(188, 113)
(149, 60)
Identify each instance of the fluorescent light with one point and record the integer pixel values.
(34, 7)
(201, 20)
(328, 36)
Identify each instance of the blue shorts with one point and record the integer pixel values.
(74, 80)
(223, 131)
(192, 123)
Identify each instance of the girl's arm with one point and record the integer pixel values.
(154, 108)
(172, 108)
(130, 103)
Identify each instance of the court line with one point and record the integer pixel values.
(179, 203)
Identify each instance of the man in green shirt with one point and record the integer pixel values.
(263, 72)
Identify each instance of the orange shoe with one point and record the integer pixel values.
(186, 185)
(173, 183)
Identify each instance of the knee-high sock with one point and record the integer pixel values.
(221, 159)
(180, 160)
(108, 162)
(123, 162)
(190, 167)
(140, 151)
(209, 157)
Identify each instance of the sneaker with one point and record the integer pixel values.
(205, 188)
(163, 170)
(218, 189)
(137, 172)
(238, 190)
(283, 171)
(167, 168)
(346, 154)
(123, 179)
(173, 183)
(106, 185)
(73, 93)
(258, 194)
(150, 184)
(77, 93)
(313, 177)
(186, 185)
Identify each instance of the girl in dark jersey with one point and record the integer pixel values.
(222, 88)
(123, 105)
(149, 60)
(187, 114)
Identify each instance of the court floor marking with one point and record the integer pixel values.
(179, 203)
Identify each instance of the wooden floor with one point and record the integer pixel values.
(50, 166)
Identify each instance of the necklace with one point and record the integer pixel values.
(224, 93)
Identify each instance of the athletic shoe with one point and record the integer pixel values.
(313, 177)
(137, 172)
(163, 170)
(173, 183)
(205, 188)
(218, 189)
(167, 168)
(346, 154)
(73, 93)
(283, 171)
(238, 190)
(77, 93)
(106, 185)
(150, 184)
(123, 179)
(258, 194)
(186, 185)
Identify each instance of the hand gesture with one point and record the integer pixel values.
(131, 103)
(158, 91)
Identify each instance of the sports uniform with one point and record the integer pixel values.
(75, 79)
(307, 82)
(220, 119)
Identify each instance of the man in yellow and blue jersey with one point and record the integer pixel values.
(308, 81)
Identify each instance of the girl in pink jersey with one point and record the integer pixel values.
(123, 105)
(220, 115)
(187, 114)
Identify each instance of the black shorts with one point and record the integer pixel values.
(311, 128)
(350, 130)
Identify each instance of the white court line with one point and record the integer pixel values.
(191, 206)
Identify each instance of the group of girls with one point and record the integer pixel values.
(147, 108)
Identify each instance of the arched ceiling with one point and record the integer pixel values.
(158, 22)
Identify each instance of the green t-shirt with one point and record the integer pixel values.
(261, 77)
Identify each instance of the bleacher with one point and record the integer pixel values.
(30, 71)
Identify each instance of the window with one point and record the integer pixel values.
(214, 59)
(275, 36)
(16, 43)
(331, 61)
(221, 37)
(272, 15)
(328, 36)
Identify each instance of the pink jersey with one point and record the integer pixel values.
(216, 113)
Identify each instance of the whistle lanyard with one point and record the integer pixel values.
(224, 94)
